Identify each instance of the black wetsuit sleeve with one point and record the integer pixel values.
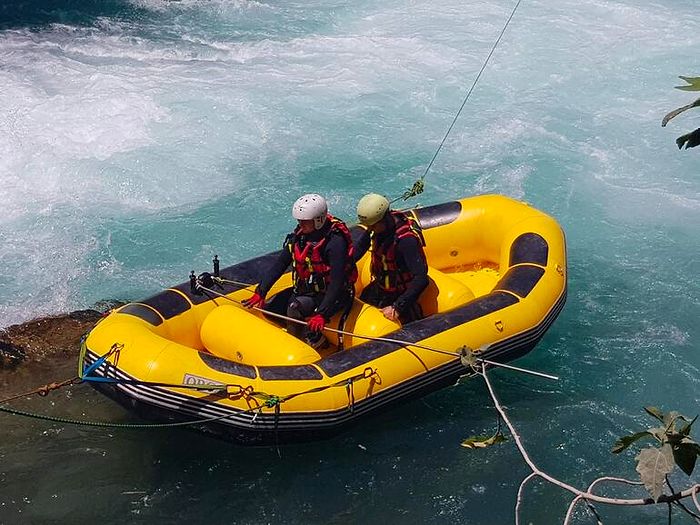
(275, 272)
(361, 246)
(410, 250)
(336, 253)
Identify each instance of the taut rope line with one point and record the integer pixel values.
(419, 184)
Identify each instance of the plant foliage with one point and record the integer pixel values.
(674, 446)
(692, 139)
(484, 441)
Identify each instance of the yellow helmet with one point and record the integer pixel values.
(372, 208)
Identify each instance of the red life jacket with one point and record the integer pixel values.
(310, 272)
(384, 266)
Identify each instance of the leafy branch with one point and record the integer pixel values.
(692, 139)
(676, 447)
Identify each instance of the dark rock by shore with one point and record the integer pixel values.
(39, 339)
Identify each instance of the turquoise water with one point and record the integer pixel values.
(140, 138)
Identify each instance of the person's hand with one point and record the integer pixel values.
(391, 313)
(316, 322)
(255, 300)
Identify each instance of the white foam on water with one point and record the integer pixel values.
(217, 5)
(152, 117)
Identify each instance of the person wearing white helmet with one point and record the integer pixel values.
(321, 253)
(398, 266)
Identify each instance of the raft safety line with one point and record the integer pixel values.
(268, 401)
(43, 391)
(419, 185)
(68, 421)
(459, 354)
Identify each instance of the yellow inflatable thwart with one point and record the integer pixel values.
(497, 272)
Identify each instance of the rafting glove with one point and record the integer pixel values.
(316, 323)
(255, 300)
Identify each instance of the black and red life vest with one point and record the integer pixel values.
(310, 271)
(384, 265)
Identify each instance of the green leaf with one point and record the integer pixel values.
(685, 431)
(671, 418)
(484, 441)
(653, 464)
(655, 412)
(685, 455)
(659, 433)
(625, 441)
(693, 81)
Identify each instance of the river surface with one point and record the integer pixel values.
(138, 138)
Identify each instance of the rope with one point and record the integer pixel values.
(69, 421)
(269, 401)
(205, 388)
(460, 353)
(334, 330)
(43, 391)
(366, 374)
(419, 185)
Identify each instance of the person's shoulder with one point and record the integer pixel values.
(337, 236)
(409, 242)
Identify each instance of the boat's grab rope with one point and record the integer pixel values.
(233, 391)
(461, 352)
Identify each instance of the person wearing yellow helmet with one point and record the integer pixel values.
(320, 251)
(399, 270)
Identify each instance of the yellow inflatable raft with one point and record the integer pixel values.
(497, 282)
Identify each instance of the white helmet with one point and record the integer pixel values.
(311, 206)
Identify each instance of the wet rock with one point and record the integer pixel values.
(38, 339)
(10, 355)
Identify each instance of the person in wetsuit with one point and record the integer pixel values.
(321, 253)
(398, 266)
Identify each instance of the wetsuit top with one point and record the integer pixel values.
(335, 252)
(410, 259)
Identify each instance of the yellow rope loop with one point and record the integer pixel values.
(415, 190)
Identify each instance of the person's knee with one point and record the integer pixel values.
(293, 309)
(301, 307)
